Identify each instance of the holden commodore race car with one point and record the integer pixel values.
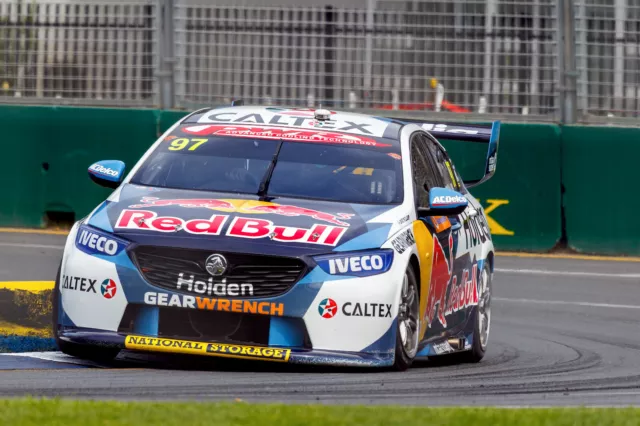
(289, 235)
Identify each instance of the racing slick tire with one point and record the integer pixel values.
(408, 322)
(482, 319)
(93, 353)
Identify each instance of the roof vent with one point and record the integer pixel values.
(322, 114)
(237, 102)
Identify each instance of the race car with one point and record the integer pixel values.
(281, 234)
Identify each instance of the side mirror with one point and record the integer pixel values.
(444, 202)
(107, 173)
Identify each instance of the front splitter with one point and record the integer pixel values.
(107, 339)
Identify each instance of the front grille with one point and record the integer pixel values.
(212, 326)
(268, 275)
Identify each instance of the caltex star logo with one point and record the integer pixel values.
(328, 308)
(108, 288)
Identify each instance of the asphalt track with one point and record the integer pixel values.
(564, 332)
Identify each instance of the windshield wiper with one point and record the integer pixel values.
(264, 184)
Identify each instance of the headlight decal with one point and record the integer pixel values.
(356, 264)
(95, 242)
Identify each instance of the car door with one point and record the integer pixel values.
(452, 235)
(432, 235)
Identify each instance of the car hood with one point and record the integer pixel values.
(239, 222)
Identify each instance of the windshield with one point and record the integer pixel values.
(303, 170)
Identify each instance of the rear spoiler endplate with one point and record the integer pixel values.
(464, 132)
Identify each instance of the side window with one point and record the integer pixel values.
(421, 173)
(435, 176)
(444, 165)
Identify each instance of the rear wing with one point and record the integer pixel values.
(475, 133)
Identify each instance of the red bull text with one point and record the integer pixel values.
(271, 208)
(240, 227)
(460, 296)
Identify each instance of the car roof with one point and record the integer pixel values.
(300, 118)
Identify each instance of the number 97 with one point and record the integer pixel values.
(181, 143)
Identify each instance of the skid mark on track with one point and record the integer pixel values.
(583, 360)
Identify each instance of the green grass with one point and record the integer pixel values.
(40, 412)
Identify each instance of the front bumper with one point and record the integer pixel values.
(105, 298)
(113, 340)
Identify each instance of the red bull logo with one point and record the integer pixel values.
(189, 203)
(441, 275)
(240, 227)
(290, 211)
(465, 294)
(460, 297)
(247, 206)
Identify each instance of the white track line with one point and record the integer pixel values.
(53, 356)
(560, 302)
(43, 246)
(566, 273)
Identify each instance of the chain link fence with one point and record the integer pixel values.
(90, 53)
(608, 57)
(497, 57)
(470, 56)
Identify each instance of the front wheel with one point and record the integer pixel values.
(79, 351)
(408, 322)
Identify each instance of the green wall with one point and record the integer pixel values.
(601, 200)
(48, 149)
(522, 200)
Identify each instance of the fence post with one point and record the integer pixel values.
(621, 13)
(567, 74)
(368, 54)
(581, 57)
(165, 59)
(329, 55)
(489, 49)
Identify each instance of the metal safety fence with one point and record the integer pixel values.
(608, 57)
(556, 60)
(459, 56)
(80, 53)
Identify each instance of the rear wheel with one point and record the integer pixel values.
(483, 319)
(408, 322)
(79, 351)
